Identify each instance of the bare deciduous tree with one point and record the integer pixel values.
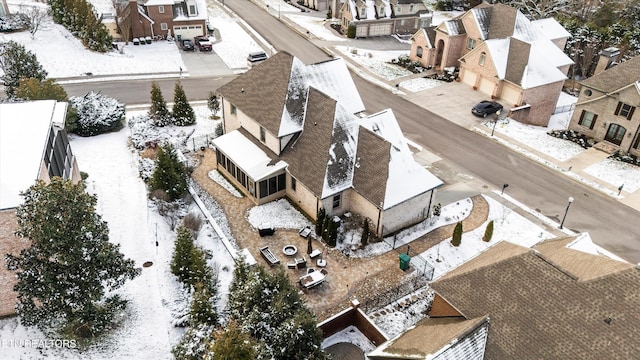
(35, 18)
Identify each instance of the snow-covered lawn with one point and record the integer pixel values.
(616, 173)
(376, 61)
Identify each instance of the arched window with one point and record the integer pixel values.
(483, 56)
(419, 52)
(615, 134)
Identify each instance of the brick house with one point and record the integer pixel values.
(502, 54)
(560, 300)
(180, 19)
(290, 130)
(384, 17)
(606, 107)
(37, 129)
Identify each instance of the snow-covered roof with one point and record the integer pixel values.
(247, 156)
(330, 78)
(542, 68)
(482, 16)
(24, 129)
(551, 28)
(341, 162)
(160, 2)
(406, 178)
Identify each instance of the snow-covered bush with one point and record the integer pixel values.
(146, 167)
(13, 22)
(144, 133)
(97, 113)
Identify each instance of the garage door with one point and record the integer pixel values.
(510, 94)
(486, 86)
(469, 77)
(379, 29)
(362, 31)
(188, 32)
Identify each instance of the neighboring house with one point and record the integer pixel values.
(180, 18)
(606, 107)
(559, 300)
(502, 54)
(384, 17)
(33, 146)
(4, 9)
(323, 5)
(290, 131)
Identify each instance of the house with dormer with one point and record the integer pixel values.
(606, 106)
(33, 146)
(562, 299)
(384, 17)
(291, 130)
(163, 18)
(502, 54)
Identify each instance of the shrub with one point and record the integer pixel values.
(365, 233)
(351, 32)
(457, 235)
(488, 232)
(97, 114)
(320, 221)
(170, 174)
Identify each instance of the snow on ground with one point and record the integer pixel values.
(316, 26)
(352, 335)
(616, 173)
(416, 85)
(279, 213)
(377, 61)
(217, 177)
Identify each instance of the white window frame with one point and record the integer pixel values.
(161, 10)
(164, 26)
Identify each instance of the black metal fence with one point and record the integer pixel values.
(405, 288)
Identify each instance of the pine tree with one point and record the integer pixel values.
(488, 232)
(64, 276)
(34, 89)
(18, 63)
(457, 235)
(232, 344)
(181, 260)
(202, 311)
(320, 221)
(365, 233)
(158, 110)
(170, 174)
(183, 114)
(213, 104)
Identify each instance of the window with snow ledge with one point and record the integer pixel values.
(336, 201)
(161, 10)
(471, 43)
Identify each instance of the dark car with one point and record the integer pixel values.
(203, 43)
(187, 45)
(255, 58)
(486, 107)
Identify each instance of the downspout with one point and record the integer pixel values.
(379, 224)
(224, 125)
(632, 141)
(151, 26)
(429, 208)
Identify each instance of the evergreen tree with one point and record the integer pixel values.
(202, 311)
(181, 260)
(213, 104)
(329, 13)
(158, 110)
(34, 89)
(97, 113)
(70, 266)
(488, 232)
(457, 235)
(232, 344)
(320, 221)
(365, 233)
(194, 344)
(18, 63)
(183, 114)
(351, 31)
(170, 174)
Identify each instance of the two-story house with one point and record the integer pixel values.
(502, 54)
(384, 17)
(606, 107)
(180, 19)
(291, 131)
(33, 146)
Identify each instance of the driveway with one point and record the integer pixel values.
(204, 63)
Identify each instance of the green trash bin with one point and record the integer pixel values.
(404, 261)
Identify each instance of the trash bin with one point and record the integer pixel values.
(404, 261)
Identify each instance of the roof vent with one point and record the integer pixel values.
(375, 128)
(242, 90)
(315, 123)
(608, 320)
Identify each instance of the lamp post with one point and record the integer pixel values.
(566, 211)
(495, 122)
(504, 186)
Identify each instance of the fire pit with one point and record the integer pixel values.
(289, 250)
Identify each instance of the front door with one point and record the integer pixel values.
(615, 134)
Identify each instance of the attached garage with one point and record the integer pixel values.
(379, 29)
(486, 86)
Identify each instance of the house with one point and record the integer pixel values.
(606, 106)
(4, 8)
(290, 130)
(33, 146)
(323, 5)
(560, 300)
(384, 17)
(166, 18)
(502, 54)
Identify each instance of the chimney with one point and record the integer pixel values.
(608, 58)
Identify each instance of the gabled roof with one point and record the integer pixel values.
(547, 303)
(428, 34)
(616, 77)
(24, 130)
(405, 177)
(551, 28)
(452, 27)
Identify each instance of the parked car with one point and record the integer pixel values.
(187, 45)
(255, 58)
(203, 43)
(486, 107)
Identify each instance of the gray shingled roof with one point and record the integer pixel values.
(540, 310)
(372, 169)
(616, 77)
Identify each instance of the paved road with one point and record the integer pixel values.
(610, 223)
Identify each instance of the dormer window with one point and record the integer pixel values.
(363, 12)
(192, 8)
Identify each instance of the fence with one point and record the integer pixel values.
(564, 109)
(395, 293)
(196, 142)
